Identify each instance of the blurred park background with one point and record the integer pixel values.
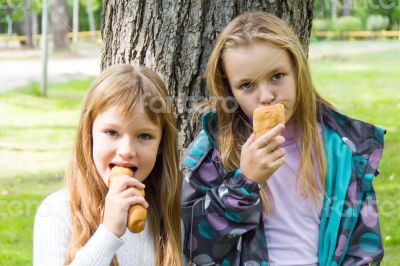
(354, 56)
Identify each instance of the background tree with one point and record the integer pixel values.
(175, 39)
(89, 14)
(59, 24)
(386, 8)
(28, 22)
(11, 12)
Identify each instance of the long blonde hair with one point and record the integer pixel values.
(124, 85)
(233, 131)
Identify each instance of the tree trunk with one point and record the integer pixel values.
(28, 24)
(92, 26)
(334, 11)
(75, 22)
(9, 25)
(35, 27)
(347, 6)
(59, 23)
(175, 39)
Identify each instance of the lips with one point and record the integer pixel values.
(124, 164)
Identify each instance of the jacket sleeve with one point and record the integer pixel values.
(365, 245)
(217, 209)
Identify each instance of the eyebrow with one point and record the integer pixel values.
(266, 71)
(106, 124)
(148, 128)
(113, 125)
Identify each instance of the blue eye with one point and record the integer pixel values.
(111, 133)
(277, 77)
(247, 86)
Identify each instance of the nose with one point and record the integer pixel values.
(126, 148)
(266, 95)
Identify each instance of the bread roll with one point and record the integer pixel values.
(267, 117)
(137, 213)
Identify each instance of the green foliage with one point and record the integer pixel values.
(361, 9)
(322, 25)
(395, 26)
(377, 22)
(83, 15)
(322, 9)
(348, 23)
(387, 8)
(12, 8)
(36, 6)
(15, 9)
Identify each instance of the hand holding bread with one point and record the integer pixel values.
(261, 154)
(137, 214)
(125, 205)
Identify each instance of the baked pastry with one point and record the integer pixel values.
(137, 213)
(267, 117)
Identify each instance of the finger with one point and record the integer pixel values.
(137, 200)
(133, 182)
(277, 154)
(130, 192)
(275, 143)
(278, 163)
(123, 182)
(264, 139)
(249, 140)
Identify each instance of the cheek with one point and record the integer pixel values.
(290, 92)
(151, 153)
(151, 156)
(148, 159)
(101, 151)
(95, 148)
(248, 105)
(241, 101)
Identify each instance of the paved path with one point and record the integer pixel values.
(18, 68)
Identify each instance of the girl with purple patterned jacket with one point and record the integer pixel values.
(301, 194)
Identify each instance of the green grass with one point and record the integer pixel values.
(36, 138)
(366, 85)
(37, 134)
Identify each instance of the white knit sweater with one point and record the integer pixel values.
(52, 233)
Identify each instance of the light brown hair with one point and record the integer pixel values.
(233, 132)
(125, 86)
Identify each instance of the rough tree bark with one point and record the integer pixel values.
(175, 39)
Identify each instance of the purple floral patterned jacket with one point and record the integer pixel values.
(219, 233)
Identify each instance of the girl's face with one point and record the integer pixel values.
(260, 74)
(130, 142)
